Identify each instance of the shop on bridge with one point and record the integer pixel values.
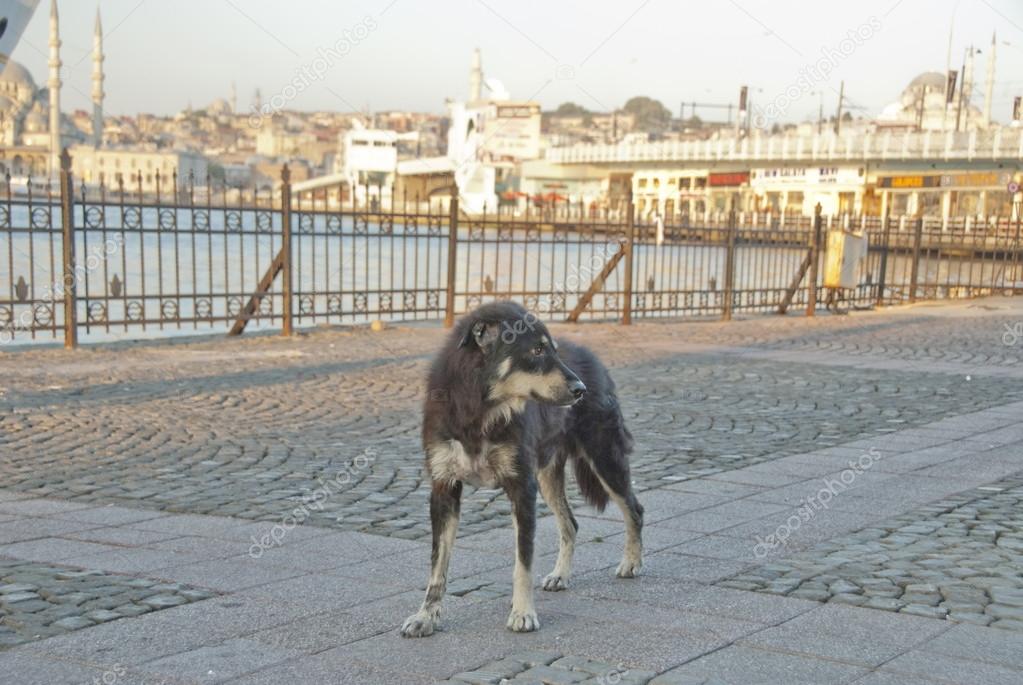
(948, 194)
(798, 190)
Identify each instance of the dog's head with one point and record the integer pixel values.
(520, 357)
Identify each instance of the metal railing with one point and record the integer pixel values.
(994, 144)
(105, 263)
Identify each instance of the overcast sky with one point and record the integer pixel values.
(412, 54)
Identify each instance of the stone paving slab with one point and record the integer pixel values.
(958, 558)
(131, 459)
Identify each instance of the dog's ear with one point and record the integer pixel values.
(481, 334)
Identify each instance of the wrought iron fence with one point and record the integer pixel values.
(113, 262)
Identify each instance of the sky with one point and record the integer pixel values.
(345, 55)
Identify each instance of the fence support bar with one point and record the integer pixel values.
(630, 240)
(727, 305)
(882, 275)
(68, 225)
(914, 274)
(449, 306)
(597, 285)
(285, 255)
(815, 251)
(790, 294)
(262, 289)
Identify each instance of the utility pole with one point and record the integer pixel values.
(838, 114)
(820, 111)
(962, 87)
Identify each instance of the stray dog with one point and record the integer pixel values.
(508, 407)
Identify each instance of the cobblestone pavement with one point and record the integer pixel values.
(960, 557)
(41, 600)
(256, 433)
(181, 468)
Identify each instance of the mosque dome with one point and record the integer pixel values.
(928, 79)
(219, 107)
(35, 122)
(18, 75)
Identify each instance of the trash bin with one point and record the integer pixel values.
(845, 250)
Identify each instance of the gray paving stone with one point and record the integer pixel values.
(745, 665)
(922, 664)
(219, 663)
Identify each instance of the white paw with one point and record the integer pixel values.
(419, 624)
(629, 568)
(555, 582)
(523, 622)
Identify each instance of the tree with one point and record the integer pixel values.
(651, 115)
(570, 109)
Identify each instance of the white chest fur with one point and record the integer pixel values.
(494, 463)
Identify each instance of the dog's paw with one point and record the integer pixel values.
(419, 624)
(523, 622)
(554, 583)
(629, 568)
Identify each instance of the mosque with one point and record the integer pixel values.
(32, 128)
(33, 131)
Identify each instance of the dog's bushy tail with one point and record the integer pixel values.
(589, 485)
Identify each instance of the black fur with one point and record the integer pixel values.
(501, 380)
(458, 385)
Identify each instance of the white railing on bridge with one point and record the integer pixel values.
(995, 144)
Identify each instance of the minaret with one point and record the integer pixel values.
(475, 76)
(989, 91)
(54, 86)
(97, 83)
(234, 98)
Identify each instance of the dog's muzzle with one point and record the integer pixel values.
(577, 389)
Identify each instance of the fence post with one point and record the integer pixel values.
(882, 275)
(914, 274)
(67, 215)
(630, 240)
(449, 306)
(286, 277)
(726, 309)
(815, 256)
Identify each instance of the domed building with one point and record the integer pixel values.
(922, 107)
(24, 124)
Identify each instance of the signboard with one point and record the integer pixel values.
(908, 182)
(732, 178)
(769, 178)
(512, 132)
(976, 179)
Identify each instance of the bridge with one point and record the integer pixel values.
(998, 145)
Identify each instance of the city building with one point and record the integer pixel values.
(112, 166)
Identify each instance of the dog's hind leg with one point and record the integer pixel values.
(552, 487)
(614, 477)
(445, 505)
(521, 492)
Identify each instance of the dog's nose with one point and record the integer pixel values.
(577, 389)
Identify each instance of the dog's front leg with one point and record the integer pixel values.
(522, 494)
(445, 505)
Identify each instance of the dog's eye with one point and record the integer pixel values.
(539, 350)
